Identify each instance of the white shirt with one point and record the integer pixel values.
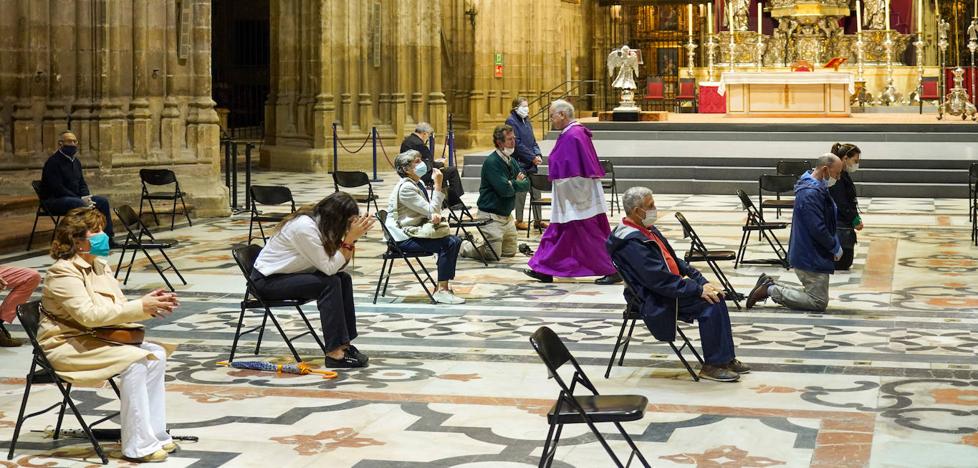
(298, 248)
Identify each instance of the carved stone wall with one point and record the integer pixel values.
(130, 77)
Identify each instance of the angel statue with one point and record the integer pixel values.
(874, 14)
(626, 61)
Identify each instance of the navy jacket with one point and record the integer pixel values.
(413, 142)
(526, 144)
(62, 177)
(642, 264)
(813, 242)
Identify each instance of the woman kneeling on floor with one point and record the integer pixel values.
(80, 295)
(304, 259)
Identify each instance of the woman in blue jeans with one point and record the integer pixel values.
(304, 259)
(414, 221)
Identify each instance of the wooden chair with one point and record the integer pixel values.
(687, 94)
(655, 96)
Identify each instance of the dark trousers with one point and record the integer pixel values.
(447, 249)
(845, 262)
(61, 206)
(714, 322)
(333, 295)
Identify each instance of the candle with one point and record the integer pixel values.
(760, 9)
(730, 23)
(920, 16)
(690, 9)
(709, 18)
(859, 17)
(887, 14)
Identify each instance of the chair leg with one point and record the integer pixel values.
(251, 226)
(495, 255)
(156, 218)
(158, 270)
(261, 331)
(173, 214)
(173, 267)
(387, 281)
(185, 212)
(628, 339)
(604, 443)
(312, 331)
(88, 431)
(281, 332)
(380, 280)
(631, 443)
(20, 414)
(418, 277)
(132, 260)
(61, 415)
(682, 359)
(553, 436)
(30, 240)
(614, 351)
(742, 249)
(237, 334)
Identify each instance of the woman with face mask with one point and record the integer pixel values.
(527, 153)
(415, 222)
(80, 295)
(847, 206)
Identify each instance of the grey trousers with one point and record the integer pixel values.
(813, 295)
(521, 202)
(501, 234)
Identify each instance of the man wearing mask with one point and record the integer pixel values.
(418, 141)
(63, 186)
(814, 246)
(661, 282)
(502, 180)
(528, 155)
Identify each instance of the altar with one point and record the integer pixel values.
(787, 94)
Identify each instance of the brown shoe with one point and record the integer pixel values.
(738, 367)
(540, 224)
(522, 225)
(719, 374)
(7, 341)
(759, 293)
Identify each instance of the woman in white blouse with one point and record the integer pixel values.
(414, 220)
(304, 259)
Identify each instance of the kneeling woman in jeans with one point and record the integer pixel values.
(304, 259)
(414, 221)
(81, 294)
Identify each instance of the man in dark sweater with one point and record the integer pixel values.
(63, 186)
(502, 179)
(418, 141)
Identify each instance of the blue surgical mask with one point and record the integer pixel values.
(421, 169)
(99, 245)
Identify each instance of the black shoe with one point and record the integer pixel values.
(357, 354)
(541, 277)
(349, 360)
(526, 250)
(738, 367)
(609, 279)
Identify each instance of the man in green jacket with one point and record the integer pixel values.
(502, 178)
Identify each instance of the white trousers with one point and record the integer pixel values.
(144, 404)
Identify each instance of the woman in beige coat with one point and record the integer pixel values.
(81, 293)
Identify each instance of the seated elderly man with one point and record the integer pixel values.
(664, 282)
(501, 180)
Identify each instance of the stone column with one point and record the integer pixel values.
(81, 107)
(171, 126)
(437, 105)
(399, 75)
(26, 138)
(61, 65)
(139, 113)
(324, 109)
(204, 130)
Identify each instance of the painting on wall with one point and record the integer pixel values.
(667, 18)
(667, 61)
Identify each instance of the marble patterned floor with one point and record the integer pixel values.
(887, 376)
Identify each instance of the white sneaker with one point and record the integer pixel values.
(446, 297)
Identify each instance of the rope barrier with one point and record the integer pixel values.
(384, 150)
(365, 140)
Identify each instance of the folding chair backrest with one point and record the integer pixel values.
(777, 183)
(157, 176)
(973, 171)
(696, 244)
(36, 185)
(608, 167)
(550, 348)
(382, 219)
(128, 217)
(541, 182)
(748, 205)
(350, 179)
(793, 168)
(29, 314)
(271, 195)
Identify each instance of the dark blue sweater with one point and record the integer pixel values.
(526, 143)
(62, 177)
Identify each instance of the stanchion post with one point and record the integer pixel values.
(227, 164)
(451, 140)
(335, 150)
(373, 134)
(234, 175)
(431, 143)
(248, 147)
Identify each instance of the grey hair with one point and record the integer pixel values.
(634, 198)
(826, 159)
(563, 107)
(423, 127)
(404, 160)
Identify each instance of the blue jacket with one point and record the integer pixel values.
(642, 264)
(813, 241)
(526, 144)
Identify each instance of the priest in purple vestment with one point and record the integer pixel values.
(573, 244)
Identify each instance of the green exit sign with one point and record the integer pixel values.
(499, 58)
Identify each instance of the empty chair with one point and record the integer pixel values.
(755, 223)
(699, 253)
(655, 96)
(393, 253)
(157, 178)
(542, 183)
(609, 171)
(686, 95)
(356, 179)
(268, 195)
(778, 184)
(138, 238)
(794, 167)
(41, 210)
(590, 409)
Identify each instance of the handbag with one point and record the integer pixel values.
(120, 335)
(428, 230)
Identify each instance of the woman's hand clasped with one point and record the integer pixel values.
(358, 227)
(159, 303)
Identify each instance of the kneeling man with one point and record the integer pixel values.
(663, 282)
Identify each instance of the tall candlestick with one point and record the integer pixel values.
(709, 18)
(887, 13)
(690, 10)
(760, 9)
(730, 24)
(859, 17)
(920, 16)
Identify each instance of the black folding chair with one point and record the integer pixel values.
(973, 197)
(356, 179)
(395, 252)
(159, 177)
(778, 184)
(609, 171)
(42, 372)
(587, 409)
(794, 167)
(460, 218)
(269, 195)
(699, 253)
(138, 238)
(245, 257)
(632, 313)
(42, 209)
(755, 223)
(542, 183)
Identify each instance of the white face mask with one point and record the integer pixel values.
(650, 217)
(853, 168)
(831, 182)
(523, 111)
(508, 151)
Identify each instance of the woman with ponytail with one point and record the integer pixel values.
(847, 206)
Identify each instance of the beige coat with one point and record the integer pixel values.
(88, 295)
